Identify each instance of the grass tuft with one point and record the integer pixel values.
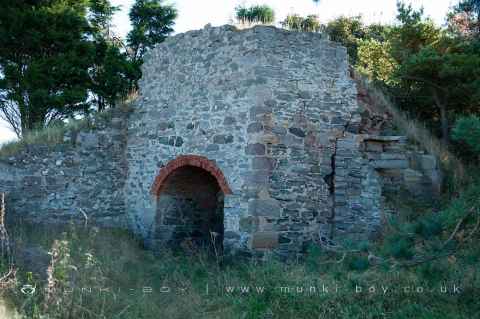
(55, 133)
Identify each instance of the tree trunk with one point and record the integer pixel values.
(443, 116)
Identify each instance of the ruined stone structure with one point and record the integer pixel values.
(246, 139)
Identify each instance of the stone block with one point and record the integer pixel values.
(411, 176)
(255, 149)
(264, 207)
(222, 139)
(87, 140)
(229, 120)
(428, 162)
(264, 240)
(297, 132)
(254, 127)
(390, 164)
(263, 163)
(393, 156)
(372, 146)
(249, 224)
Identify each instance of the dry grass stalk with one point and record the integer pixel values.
(9, 278)
(4, 239)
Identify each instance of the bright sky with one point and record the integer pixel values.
(195, 14)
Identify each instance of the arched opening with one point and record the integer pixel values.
(190, 200)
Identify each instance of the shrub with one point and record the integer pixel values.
(255, 14)
(467, 132)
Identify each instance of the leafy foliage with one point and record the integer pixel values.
(59, 58)
(296, 22)
(152, 22)
(255, 14)
(467, 130)
(347, 31)
(375, 60)
(44, 60)
(465, 18)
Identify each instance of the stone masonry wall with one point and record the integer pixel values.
(81, 178)
(267, 113)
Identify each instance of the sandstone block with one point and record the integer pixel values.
(264, 207)
(390, 164)
(264, 240)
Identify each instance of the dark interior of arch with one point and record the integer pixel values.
(190, 210)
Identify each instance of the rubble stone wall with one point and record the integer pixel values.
(271, 116)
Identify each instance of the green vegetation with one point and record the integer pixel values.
(152, 22)
(294, 22)
(262, 14)
(59, 59)
(57, 133)
(467, 132)
(431, 73)
(420, 254)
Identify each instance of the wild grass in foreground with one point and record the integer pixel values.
(93, 273)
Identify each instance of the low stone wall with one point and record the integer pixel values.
(402, 166)
(79, 180)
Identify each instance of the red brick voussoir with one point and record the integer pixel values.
(189, 160)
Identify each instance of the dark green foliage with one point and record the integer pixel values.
(254, 14)
(100, 16)
(59, 59)
(400, 246)
(113, 73)
(358, 263)
(467, 130)
(465, 18)
(112, 76)
(44, 60)
(428, 226)
(347, 31)
(446, 75)
(295, 22)
(152, 22)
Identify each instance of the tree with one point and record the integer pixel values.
(437, 75)
(58, 59)
(255, 14)
(347, 31)
(112, 74)
(375, 61)
(152, 22)
(447, 76)
(467, 130)
(465, 18)
(413, 32)
(44, 60)
(295, 22)
(100, 16)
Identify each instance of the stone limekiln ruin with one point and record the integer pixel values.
(249, 138)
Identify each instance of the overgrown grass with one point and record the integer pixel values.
(410, 272)
(348, 284)
(55, 134)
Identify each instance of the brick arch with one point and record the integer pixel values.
(190, 160)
